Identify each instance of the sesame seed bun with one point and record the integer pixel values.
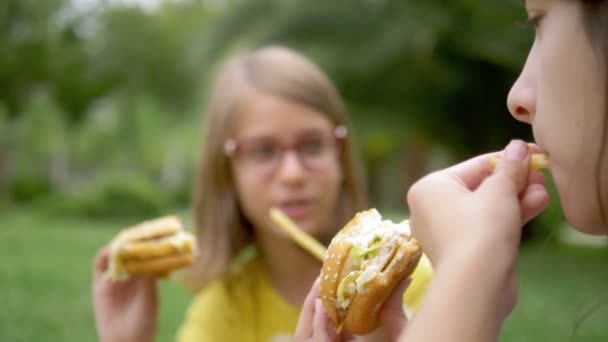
(364, 263)
(155, 247)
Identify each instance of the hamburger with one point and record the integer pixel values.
(363, 264)
(154, 247)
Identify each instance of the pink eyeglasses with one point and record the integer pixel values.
(315, 150)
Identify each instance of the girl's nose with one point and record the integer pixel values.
(291, 168)
(522, 97)
(522, 100)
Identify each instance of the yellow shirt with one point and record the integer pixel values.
(241, 307)
(245, 307)
(420, 281)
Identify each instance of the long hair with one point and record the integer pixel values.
(221, 228)
(595, 17)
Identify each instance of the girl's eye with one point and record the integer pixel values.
(534, 20)
(263, 150)
(313, 146)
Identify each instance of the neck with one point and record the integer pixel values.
(291, 270)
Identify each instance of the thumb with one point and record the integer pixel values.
(511, 172)
(100, 263)
(392, 316)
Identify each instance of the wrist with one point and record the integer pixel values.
(478, 262)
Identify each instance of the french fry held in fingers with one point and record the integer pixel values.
(538, 161)
(300, 237)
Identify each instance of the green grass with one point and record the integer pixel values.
(555, 283)
(45, 278)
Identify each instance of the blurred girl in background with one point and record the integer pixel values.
(276, 135)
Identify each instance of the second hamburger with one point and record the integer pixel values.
(155, 247)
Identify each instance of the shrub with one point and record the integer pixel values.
(112, 196)
(25, 188)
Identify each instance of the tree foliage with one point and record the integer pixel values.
(103, 87)
(423, 67)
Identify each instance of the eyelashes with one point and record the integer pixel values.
(534, 21)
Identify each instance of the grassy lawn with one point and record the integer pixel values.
(45, 266)
(45, 279)
(556, 285)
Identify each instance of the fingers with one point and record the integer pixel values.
(514, 176)
(533, 148)
(148, 285)
(454, 181)
(101, 262)
(313, 324)
(392, 316)
(534, 200)
(322, 330)
(304, 330)
(536, 177)
(511, 174)
(511, 177)
(471, 173)
(512, 170)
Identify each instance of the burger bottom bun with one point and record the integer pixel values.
(362, 315)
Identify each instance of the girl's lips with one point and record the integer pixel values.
(297, 210)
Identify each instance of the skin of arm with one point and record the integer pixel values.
(456, 311)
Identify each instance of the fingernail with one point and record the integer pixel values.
(516, 150)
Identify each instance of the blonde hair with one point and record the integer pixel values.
(221, 228)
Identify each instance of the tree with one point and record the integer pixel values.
(443, 69)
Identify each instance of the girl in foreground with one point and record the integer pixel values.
(562, 94)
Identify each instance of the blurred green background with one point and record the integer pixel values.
(100, 117)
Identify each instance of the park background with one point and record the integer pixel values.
(100, 118)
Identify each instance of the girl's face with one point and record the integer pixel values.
(286, 155)
(560, 92)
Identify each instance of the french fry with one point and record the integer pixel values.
(538, 161)
(299, 236)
